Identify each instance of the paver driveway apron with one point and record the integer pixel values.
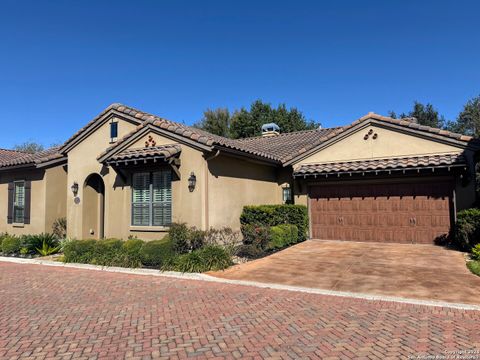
(64, 313)
(403, 270)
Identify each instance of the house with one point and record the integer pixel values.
(130, 173)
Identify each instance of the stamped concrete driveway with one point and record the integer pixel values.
(63, 313)
(410, 271)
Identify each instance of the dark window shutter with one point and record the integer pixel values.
(10, 203)
(28, 196)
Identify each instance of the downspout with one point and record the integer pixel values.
(207, 159)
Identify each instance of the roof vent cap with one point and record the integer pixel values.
(270, 129)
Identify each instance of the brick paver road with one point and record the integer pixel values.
(50, 312)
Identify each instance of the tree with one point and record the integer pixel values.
(215, 122)
(29, 147)
(468, 121)
(426, 115)
(247, 123)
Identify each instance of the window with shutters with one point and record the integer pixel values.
(152, 198)
(19, 202)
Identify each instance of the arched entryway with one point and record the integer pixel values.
(93, 207)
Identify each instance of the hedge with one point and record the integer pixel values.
(157, 252)
(467, 229)
(282, 235)
(274, 215)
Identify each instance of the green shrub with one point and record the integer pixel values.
(250, 251)
(273, 215)
(467, 229)
(474, 267)
(196, 238)
(256, 235)
(476, 252)
(79, 251)
(206, 259)
(11, 244)
(131, 253)
(107, 252)
(282, 236)
(46, 249)
(34, 242)
(157, 252)
(2, 236)
(179, 235)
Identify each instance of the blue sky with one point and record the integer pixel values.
(62, 62)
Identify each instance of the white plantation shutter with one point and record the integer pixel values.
(162, 198)
(141, 199)
(152, 198)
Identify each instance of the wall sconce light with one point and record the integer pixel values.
(75, 188)
(192, 181)
(287, 194)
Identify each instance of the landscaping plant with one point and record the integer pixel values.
(11, 245)
(466, 233)
(46, 249)
(157, 252)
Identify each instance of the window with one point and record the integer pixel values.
(19, 202)
(152, 198)
(113, 131)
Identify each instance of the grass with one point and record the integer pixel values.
(474, 267)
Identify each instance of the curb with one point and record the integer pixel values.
(209, 278)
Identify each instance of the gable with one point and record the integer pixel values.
(374, 141)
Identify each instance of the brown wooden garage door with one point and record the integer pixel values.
(389, 212)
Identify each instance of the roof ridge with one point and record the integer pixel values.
(286, 134)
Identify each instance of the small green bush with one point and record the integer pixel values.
(79, 251)
(196, 238)
(273, 215)
(179, 234)
(11, 245)
(157, 252)
(282, 235)
(2, 236)
(474, 267)
(256, 239)
(35, 242)
(131, 253)
(107, 252)
(476, 252)
(250, 251)
(206, 259)
(467, 229)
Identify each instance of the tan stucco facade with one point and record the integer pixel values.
(387, 144)
(48, 199)
(226, 181)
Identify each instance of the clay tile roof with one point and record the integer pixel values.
(280, 149)
(34, 159)
(398, 163)
(8, 155)
(164, 151)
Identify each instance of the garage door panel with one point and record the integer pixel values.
(406, 213)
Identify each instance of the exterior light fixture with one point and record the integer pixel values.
(192, 181)
(287, 194)
(75, 188)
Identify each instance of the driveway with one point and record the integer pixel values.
(412, 271)
(64, 313)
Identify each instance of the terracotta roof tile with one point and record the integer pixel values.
(164, 151)
(281, 149)
(35, 158)
(8, 155)
(415, 162)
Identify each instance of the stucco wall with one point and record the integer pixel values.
(55, 195)
(388, 143)
(234, 183)
(82, 162)
(37, 206)
(186, 206)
